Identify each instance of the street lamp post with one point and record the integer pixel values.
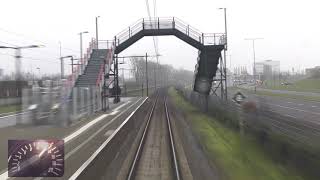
(81, 53)
(97, 40)
(254, 61)
(18, 57)
(39, 72)
(225, 27)
(224, 51)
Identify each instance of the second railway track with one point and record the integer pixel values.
(156, 157)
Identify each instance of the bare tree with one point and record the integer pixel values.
(162, 74)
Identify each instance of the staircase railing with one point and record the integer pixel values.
(105, 67)
(88, 53)
(78, 70)
(170, 23)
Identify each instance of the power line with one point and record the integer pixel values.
(156, 38)
(31, 58)
(154, 8)
(149, 14)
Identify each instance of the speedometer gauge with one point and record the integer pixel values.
(35, 158)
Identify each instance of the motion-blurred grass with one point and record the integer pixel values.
(239, 157)
(9, 108)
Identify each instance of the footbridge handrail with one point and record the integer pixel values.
(170, 23)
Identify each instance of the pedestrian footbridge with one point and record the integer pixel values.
(209, 45)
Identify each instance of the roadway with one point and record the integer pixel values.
(291, 92)
(10, 119)
(81, 139)
(308, 111)
(300, 117)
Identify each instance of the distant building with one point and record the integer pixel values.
(268, 68)
(259, 68)
(1, 73)
(313, 71)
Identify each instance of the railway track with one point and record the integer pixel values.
(156, 157)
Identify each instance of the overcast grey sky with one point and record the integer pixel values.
(289, 28)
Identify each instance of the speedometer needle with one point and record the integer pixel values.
(42, 152)
(45, 149)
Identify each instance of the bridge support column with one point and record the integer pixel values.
(74, 103)
(116, 80)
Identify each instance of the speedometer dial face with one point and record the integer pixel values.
(35, 158)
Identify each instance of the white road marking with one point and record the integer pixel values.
(116, 110)
(119, 107)
(104, 144)
(290, 102)
(85, 127)
(109, 132)
(314, 106)
(290, 116)
(95, 133)
(3, 117)
(4, 175)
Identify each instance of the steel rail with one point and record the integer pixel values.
(173, 150)
(142, 142)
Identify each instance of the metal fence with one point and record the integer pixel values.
(53, 108)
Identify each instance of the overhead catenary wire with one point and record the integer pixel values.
(31, 58)
(154, 40)
(155, 15)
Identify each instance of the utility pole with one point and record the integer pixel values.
(230, 61)
(18, 64)
(72, 69)
(254, 61)
(117, 98)
(147, 74)
(141, 56)
(61, 63)
(155, 77)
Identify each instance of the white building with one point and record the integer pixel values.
(267, 67)
(1, 73)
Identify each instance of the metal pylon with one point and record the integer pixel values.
(220, 83)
